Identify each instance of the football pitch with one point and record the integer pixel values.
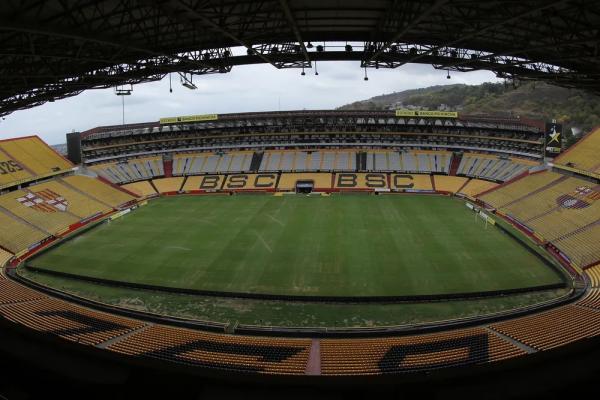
(346, 245)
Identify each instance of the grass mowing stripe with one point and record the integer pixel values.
(336, 246)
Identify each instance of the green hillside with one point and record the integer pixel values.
(574, 108)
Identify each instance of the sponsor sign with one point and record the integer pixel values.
(553, 139)
(189, 118)
(422, 113)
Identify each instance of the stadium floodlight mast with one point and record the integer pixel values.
(123, 91)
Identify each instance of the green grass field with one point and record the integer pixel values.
(336, 246)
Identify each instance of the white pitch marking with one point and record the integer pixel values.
(275, 219)
(259, 236)
(179, 248)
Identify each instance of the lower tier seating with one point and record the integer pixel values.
(16, 235)
(4, 257)
(166, 185)
(141, 188)
(63, 319)
(475, 187)
(552, 328)
(247, 354)
(413, 353)
(450, 184)
(98, 190)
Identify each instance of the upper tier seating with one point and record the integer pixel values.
(493, 167)
(27, 158)
(132, 170)
(584, 155)
(210, 163)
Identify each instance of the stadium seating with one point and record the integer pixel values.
(12, 292)
(493, 167)
(210, 163)
(582, 247)
(98, 190)
(167, 185)
(594, 275)
(4, 257)
(28, 158)
(65, 320)
(17, 235)
(251, 354)
(476, 186)
(265, 181)
(410, 182)
(451, 184)
(552, 328)
(361, 181)
(584, 154)
(321, 180)
(79, 204)
(413, 353)
(31, 206)
(142, 188)
(520, 188)
(204, 182)
(130, 171)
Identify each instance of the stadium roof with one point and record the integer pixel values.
(57, 48)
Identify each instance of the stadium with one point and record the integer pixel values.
(307, 248)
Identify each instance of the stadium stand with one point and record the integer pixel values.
(361, 181)
(210, 163)
(168, 185)
(552, 328)
(77, 203)
(413, 353)
(131, 170)
(493, 167)
(4, 257)
(583, 155)
(451, 184)
(242, 353)
(32, 206)
(98, 190)
(67, 321)
(476, 186)
(266, 181)
(142, 188)
(320, 180)
(520, 188)
(28, 158)
(17, 235)
(582, 247)
(12, 292)
(411, 182)
(204, 182)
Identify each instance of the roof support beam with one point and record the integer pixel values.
(487, 28)
(292, 21)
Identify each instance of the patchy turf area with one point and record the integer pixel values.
(333, 246)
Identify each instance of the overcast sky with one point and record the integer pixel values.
(245, 88)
